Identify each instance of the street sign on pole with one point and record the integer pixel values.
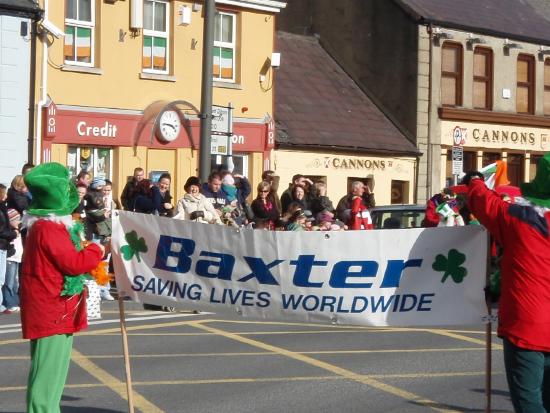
(221, 120)
(219, 145)
(458, 157)
(222, 130)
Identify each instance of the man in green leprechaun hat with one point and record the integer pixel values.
(53, 304)
(523, 231)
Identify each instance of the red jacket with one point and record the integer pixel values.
(48, 255)
(360, 215)
(524, 307)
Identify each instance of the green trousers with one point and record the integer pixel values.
(528, 375)
(50, 358)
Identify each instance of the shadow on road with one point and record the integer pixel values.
(463, 409)
(495, 392)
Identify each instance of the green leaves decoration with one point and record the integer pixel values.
(451, 265)
(134, 247)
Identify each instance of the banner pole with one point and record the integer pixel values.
(488, 334)
(125, 351)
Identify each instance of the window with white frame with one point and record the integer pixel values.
(79, 32)
(225, 47)
(156, 27)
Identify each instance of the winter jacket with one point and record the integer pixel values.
(128, 195)
(343, 208)
(266, 211)
(159, 200)
(218, 199)
(7, 233)
(189, 204)
(523, 232)
(360, 216)
(18, 200)
(49, 254)
(287, 198)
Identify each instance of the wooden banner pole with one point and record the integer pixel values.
(125, 351)
(488, 335)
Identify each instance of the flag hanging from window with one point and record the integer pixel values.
(83, 44)
(223, 63)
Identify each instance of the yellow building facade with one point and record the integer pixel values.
(391, 178)
(120, 61)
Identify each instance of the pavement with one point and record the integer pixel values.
(206, 362)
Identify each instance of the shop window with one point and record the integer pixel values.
(97, 161)
(317, 178)
(469, 163)
(547, 87)
(399, 192)
(78, 48)
(156, 29)
(368, 181)
(515, 168)
(533, 166)
(225, 47)
(451, 74)
(525, 96)
(483, 79)
(240, 163)
(489, 158)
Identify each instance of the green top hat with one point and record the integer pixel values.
(53, 192)
(538, 190)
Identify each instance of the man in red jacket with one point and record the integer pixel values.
(51, 264)
(524, 309)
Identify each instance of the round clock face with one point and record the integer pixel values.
(169, 126)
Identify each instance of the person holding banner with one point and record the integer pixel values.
(523, 231)
(53, 298)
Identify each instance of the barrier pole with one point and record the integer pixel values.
(125, 351)
(488, 335)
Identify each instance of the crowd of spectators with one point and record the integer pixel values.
(223, 200)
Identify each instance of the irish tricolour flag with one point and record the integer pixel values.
(495, 174)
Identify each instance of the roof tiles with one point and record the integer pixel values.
(527, 20)
(318, 105)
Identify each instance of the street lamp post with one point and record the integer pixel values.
(206, 90)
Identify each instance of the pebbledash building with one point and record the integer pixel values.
(120, 70)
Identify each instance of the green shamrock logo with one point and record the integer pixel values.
(451, 266)
(134, 247)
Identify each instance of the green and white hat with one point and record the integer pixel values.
(53, 192)
(538, 190)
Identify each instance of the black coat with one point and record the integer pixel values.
(18, 200)
(7, 233)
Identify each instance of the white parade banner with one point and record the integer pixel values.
(401, 277)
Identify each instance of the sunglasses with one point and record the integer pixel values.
(263, 192)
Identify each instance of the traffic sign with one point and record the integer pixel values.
(458, 159)
(221, 121)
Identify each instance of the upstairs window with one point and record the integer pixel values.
(451, 74)
(79, 32)
(156, 22)
(482, 95)
(224, 47)
(547, 87)
(525, 96)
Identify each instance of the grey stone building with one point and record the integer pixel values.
(467, 73)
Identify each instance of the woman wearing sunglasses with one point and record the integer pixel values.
(264, 209)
